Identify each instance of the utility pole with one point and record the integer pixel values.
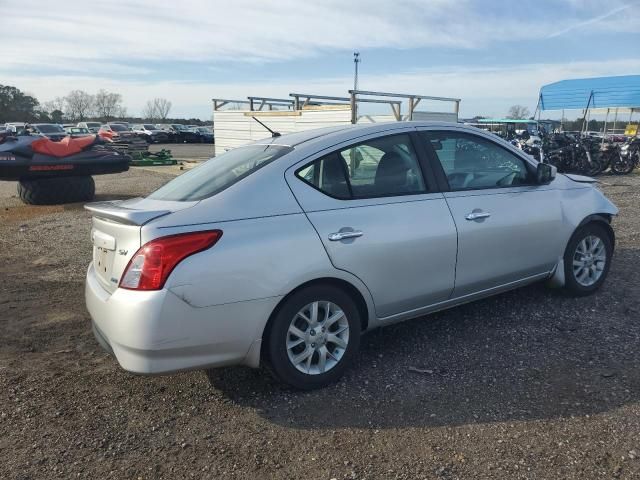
(356, 61)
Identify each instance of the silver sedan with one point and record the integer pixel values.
(287, 250)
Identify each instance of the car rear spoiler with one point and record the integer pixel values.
(120, 214)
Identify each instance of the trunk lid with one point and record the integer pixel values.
(116, 233)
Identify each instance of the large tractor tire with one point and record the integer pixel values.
(52, 191)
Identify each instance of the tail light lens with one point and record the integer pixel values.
(154, 261)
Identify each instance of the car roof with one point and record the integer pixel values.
(326, 133)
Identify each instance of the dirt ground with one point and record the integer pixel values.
(186, 151)
(529, 384)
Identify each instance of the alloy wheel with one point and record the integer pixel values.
(589, 260)
(317, 337)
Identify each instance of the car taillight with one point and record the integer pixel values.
(154, 261)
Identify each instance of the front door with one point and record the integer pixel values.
(509, 228)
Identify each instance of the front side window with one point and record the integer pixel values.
(380, 167)
(219, 173)
(471, 162)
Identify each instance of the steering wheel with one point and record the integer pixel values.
(459, 179)
(506, 180)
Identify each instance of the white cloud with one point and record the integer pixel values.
(254, 31)
(49, 51)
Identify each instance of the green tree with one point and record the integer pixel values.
(16, 106)
(56, 116)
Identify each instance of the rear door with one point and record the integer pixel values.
(509, 227)
(379, 218)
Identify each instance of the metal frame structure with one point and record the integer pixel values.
(299, 101)
(316, 100)
(604, 94)
(394, 104)
(218, 103)
(269, 103)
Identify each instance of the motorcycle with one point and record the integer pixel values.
(572, 154)
(628, 158)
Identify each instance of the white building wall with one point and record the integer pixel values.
(234, 128)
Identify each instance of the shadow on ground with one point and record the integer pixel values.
(524, 355)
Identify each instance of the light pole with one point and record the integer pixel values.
(356, 61)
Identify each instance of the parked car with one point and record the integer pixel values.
(76, 132)
(178, 133)
(205, 134)
(287, 250)
(93, 127)
(116, 131)
(150, 133)
(15, 124)
(51, 130)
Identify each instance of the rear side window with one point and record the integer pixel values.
(219, 173)
(386, 166)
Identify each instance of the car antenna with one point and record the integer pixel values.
(273, 134)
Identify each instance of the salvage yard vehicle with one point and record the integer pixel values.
(205, 134)
(51, 172)
(51, 130)
(77, 132)
(287, 250)
(116, 131)
(150, 133)
(182, 134)
(93, 127)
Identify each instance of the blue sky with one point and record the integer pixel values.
(492, 54)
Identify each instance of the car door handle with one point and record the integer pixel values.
(477, 215)
(334, 237)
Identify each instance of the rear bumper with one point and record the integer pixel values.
(158, 332)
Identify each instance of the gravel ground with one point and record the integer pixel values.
(528, 384)
(186, 151)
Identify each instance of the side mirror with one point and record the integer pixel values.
(545, 173)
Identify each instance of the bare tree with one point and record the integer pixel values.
(79, 105)
(107, 104)
(156, 109)
(163, 107)
(149, 111)
(57, 103)
(121, 112)
(518, 112)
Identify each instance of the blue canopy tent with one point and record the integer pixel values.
(600, 94)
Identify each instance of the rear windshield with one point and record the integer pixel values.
(118, 128)
(218, 173)
(50, 128)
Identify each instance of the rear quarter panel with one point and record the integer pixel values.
(267, 249)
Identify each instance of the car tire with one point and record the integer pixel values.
(325, 333)
(591, 248)
(56, 190)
